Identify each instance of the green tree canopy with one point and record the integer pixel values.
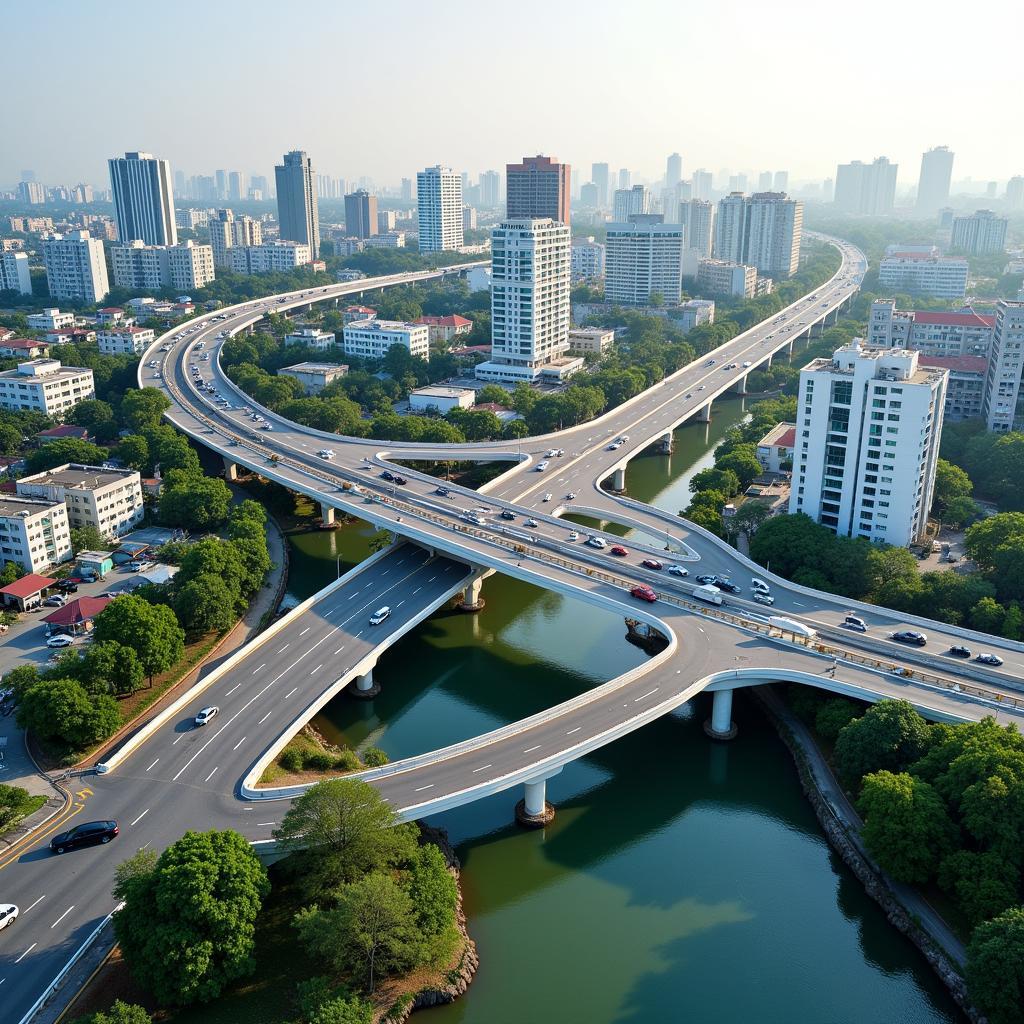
(62, 710)
(143, 407)
(64, 450)
(890, 736)
(194, 503)
(151, 631)
(995, 967)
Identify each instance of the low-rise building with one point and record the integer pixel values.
(111, 316)
(43, 385)
(440, 399)
(108, 499)
(119, 341)
(270, 256)
(936, 334)
(72, 336)
(50, 320)
(371, 339)
(389, 240)
(965, 392)
(775, 449)
(311, 337)
(352, 313)
(314, 377)
(445, 328)
(586, 340)
(941, 277)
(24, 348)
(693, 313)
(61, 432)
(34, 534)
(723, 277)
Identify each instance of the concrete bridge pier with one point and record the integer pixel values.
(472, 600)
(230, 469)
(534, 811)
(721, 726)
(767, 364)
(740, 387)
(665, 444)
(619, 479)
(703, 415)
(327, 513)
(792, 345)
(364, 687)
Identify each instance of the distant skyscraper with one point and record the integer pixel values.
(361, 214)
(31, 192)
(599, 175)
(764, 181)
(980, 235)
(537, 187)
(179, 183)
(589, 195)
(737, 183)
(933, 183)
(673, 170)
(866, 188)
(702, 184)
(629, 201)
(260, 184)
(763, 231)
(698, 218)
(1015, 192)
(439, 208)
(297, 210)
(781, 182)
(407, 190)
(27, 175)
(490, 188)
(221, 178)
(624, 178)
(237, 187)
(142, 193)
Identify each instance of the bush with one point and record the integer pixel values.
(319, 761)
(833, 715)
(291, 760)
(347, 761)
(12, 799)
(374, 757)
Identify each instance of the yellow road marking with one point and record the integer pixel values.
(33, 837)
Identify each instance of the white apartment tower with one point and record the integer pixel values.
(763, 231)
(227, 232)
(933, 183)
(643, 257)
(14, 275)
(75, 267)
(439, 208)
(697, 217)
(629, 201)
(1002, 388)
(142, 188)
(979, 235)
(867, 443)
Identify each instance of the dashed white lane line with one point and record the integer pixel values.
(482, 768)
(317, 669)
(351, 596)
(571, 731)
(531, 749)
(263, 666)
(211, 775)
(178, 740)
(153, 765)
(358, 635)
(420, 790)
(265, 717)
(305, 631)
(340, 649)
(644, 695)
(400, 603)
(62, 916)
(37, 902)
(432, 578)
(416, 591)
(26, 953)
(232, 690)
(238, 744)
(140, 817)
(285, 648)
(260, 824)
(290, 692)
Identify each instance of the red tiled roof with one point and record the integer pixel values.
(64, 430)
(970, 319)
(25, 343)
(445, 321)
(112, 309)
(786, 440)
(966, 364)
(28, 585)
(77, 611)
(360, 309)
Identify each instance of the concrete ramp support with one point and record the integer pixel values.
(327, 514)
(619, 479)
(365, 687)
(721, 726)
(472, 600)
(230, 469)
(703, 415)
(534, 811)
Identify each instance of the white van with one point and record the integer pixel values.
(759, 585)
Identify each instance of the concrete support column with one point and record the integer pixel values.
(768, 363)
(327, 514)
(534, 811)
(619, 479)
(703, 415)
(364, 687)
(230, 469)
(472, 600)
(791, 346)
(740, 387)
(721, 726)
(665, 445)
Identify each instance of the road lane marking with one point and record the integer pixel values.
(178, 740)
(238, 744)
(285, 648)
(530, 749)
(26, 953)
(265, 717)
(260, 824)
(571, 731)
(420, 790)
(340, 649)
(255, 670)
(647, 694)
(153, 764)
(140, 817)
(305, 631)
(62, 916)
(400, 603)
(290, 692)
(483, 769)
(37, 902)
(211, 775)
(232, 690)
(358, 635)
(416, 591)
(356, 594)
(317, 669)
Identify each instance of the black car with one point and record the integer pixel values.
(959, 651)
(86, 834)
(67, 587)
(707, 581)
(729, 587)
(400, 480)
(443, 491)
(387, 475)
(506, 514)
(909, 636)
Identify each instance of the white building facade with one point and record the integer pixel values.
(270, 256)
(439, 209)
(588, 259)
(75, 267)
(643, 258)
(1006, 362)
(125, 341)
(940, 277)
(109, 499)
(979, 235)
(371, 339)
(34, 534)
(142, 267)
(43, 385)
(14, 275)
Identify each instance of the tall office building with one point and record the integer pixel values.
(624, 178)
(297, 211)
(259, 183)
(933, 182)
(537, 187)
(439, 208)
(1015, 192)
(599, 175)
(1005, 365)
(142, 191)
(75, 267)
(643, 257)
(673, 170)
(702, 184)
(763, 231)
(629, 201)
(731, 228)
(698, 220)
(490, 189)
(530, 282)
(867, 442)
(764, 181)
(360, 214)
(31, 193)
(221, 183)
(237, 186)
(979, 235)
(781, 183)
(866, 188)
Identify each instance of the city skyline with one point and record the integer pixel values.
(484, 129)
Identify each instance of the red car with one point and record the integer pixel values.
(644, 593)
(652, 563)
(619, 550)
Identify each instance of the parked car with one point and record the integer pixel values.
(55, 601)
(989, 659)
(60, 640)
(86, 834)
(379, 615)
(67, 587)
(909, 636)
(135, 566)
(207, 715)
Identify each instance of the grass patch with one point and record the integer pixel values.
(308, 757)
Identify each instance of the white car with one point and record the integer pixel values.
(677, 570)
(135, 566)
(596, 542)
(551, 453)
(574, 535)
(547, 496)
(206, 715)
(8, 915)
(326, 453)
(541, 466)
(379, 615)
(60, 640)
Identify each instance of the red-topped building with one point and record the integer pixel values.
(538, 187)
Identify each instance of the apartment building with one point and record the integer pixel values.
(723, 277)
(108, 499)
(43, 385)
(964, 333)
(940, 277)
(311, 337)
(50, 320)
(587, 260)
(14, 275)
(1006, 362)
(643, 257)
(34, 534)
(314, 377)
(371, 339)
(140, 267)
(75, 267)
(269, 256)
(981, 234)
(125, 341)
(439, 209)
(763, 231)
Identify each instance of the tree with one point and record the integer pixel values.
(983, 884)
(343, 1010)
(205, 604)
(715, 479)
(64, 450)
(995, 967)
(151, 631)
(122, 1013)
(133, 451)
(12, 800)
(87, 538)
(194, 503)
(62, 710)
(110, 667)
(215, 557)
(832, 715)
(96, 416)
(906, 826)
(890, 736)
(742, 460)
(346, 829)
(143, 407)
(950, 482)
(379, 540)
(750, 516)
(433, 892)
(187, 926)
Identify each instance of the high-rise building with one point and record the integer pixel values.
(731, 228)
(530, 283)
(600, 176)
(220, 178)
(643, 258)
(407, 190)
(237, 186)
(259, 183)
(490, 189)
(31, 192)
(587, 259)
(141, 187)
(673, 170)
(468, 219)
(439, 208)
(763, 231)
(14, 275)
(538, 187)
(941, 277)
(179, 184)
(185, 268)
(979, 235)
(297, 211)
(933, 183)
(764, 181)
(629, 201)
(702, 184)
(222, 240)
(698, 219)
(625, 178)
(360, 214)
(1006, 362)
(866, 188)
(1015, 192)
(951, 335)
(75, 267)
(737, 183)
(589, 195)
(867, 442)
(781, 183)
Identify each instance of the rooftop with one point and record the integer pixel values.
(963, 364)
(77, 611)
(317, 367)
(436, 391)
(28, 585)
(74, 475)
(445, 321)
(13, 507)
(381, 325)
(966, 319)
(782, 435)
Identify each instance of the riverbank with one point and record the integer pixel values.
(905, 909)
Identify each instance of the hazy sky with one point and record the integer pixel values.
(384, 87)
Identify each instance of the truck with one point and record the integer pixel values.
(791, 626)
(708, 593)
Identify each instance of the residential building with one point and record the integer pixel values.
(723, 277)
(673, 170)
(965, 392)
(979, 235)
(941, 277)
(775, 449)
(697, 217)
(43, 385)
(781, 182)
(703, 184)
(439, 209)
(228, 231)
(866, 188)
(108, 499)
(71, 336)
(693, 313)
(530, 280)
(1015, 192)
(965, 333)
(591, 340)
(75, 267)
(1005, 364)
(23, 348)
(537, 187)
(933, 182)
(440, 400)
(51, 319)
(629, 201)
(490, 189)
(388, 240)
(297, 211)
(120, 341)
(314, 377)
(867, 444)
(61, 432)
(352, 313)
(361, 214)
(469, 219)
(311, 337)
(31, 192)
(371, 339)
(142, 188)
(599, 175)
(142, 267)
(276, 255)
(643, 258)
(587, 259)
(387, 220)
(33, 534)
(445, 328)
(763, 230)
(14, 275)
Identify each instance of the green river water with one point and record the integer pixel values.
(681, 880)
